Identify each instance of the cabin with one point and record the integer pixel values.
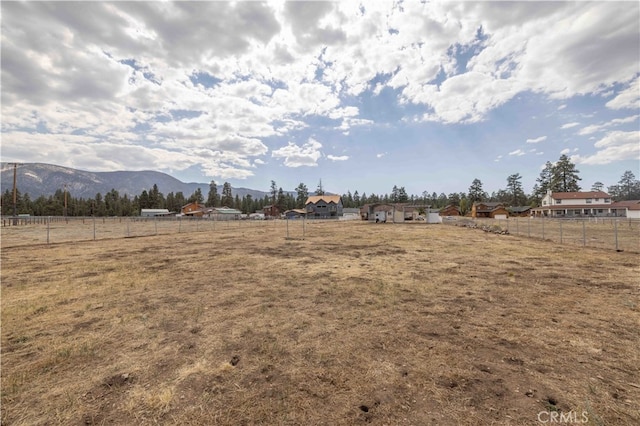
(485, 209)
(520, 211)
(449, 210)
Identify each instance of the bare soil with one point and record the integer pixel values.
(357, 323)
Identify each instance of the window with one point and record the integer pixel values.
(558, 201)
(607, 200)
(597, 199)
(588, 200)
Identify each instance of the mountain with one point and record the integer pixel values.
(38, 179)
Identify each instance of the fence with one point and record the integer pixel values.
(610, 233)
(33, 230)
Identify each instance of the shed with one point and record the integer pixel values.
(154, 212)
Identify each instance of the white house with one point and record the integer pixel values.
(629, 209)
(592, 203)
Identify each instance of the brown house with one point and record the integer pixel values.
(489, 209)
(450, 210)
(271, 211)
(193, 209)
(520, 211)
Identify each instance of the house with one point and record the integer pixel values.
(324, 206)
(574, 204)
(520, 211)
(193, 209)
(383, 212)
(271, 211)
(629, 209)
(449, 210)
(491, 210)
(224, 213)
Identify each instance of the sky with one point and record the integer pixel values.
(358, 95)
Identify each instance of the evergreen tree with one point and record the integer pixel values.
(402, 195)
(476, 193)
(281, 202)
(213, 199)
(628, 188)
(356, 199)
(303, 194)
(597, 186)
(544, 181)
(227, 196)
(320, 189)
(514, 185)
(196, 197)
(274, 192)
(565, 176)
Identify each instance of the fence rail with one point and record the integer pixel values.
(33, 230)
(620, 234)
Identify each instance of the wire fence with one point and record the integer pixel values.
(619, 234)
(34, 230)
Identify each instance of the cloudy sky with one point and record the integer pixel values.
(362, 95)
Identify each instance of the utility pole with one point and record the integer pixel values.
(65, 200)
(15, 193)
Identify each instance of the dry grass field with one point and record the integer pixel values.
(357, 323)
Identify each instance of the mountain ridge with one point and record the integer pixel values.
(43, 179)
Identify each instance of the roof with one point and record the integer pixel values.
(520, 209)
(492, 204)
(578, 195)
(629, 205)
(326, 198)
(575, 207)
(226, 210)
(297, 211)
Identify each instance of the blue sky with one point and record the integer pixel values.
(360, 95)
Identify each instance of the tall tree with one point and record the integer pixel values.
(227, 196)
(320, 189)
(565, 176)
(544, 181)
(281, 201)
(628, 188)
(514, 185)
(196, 197)
(302, 194)
(402, 195)
(476, 193)
(395, 194)
(213, 199)
(597, 186)
(274, 192)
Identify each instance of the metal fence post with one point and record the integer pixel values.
(543, 227)
(584, 235)
(529, 227)
(615, 228)
(560, 232)
(94, 228)
(48, 226)
(155, 222)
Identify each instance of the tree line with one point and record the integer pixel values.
(561, 176)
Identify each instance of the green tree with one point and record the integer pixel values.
(281, 201)
(597, 186)
(628, 188)
(476, 193)
(196, 197)
(274, 192)
(514, 186)
(565, 176)
(213, 199)
(302, 194)
(544, 181)
(227, 196)
(402, 195)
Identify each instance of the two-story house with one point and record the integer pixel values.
(559, 204)
(324, 206)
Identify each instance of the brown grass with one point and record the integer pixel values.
(357, 323)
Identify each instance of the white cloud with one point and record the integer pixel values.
(565, 151)
(561, 107)
(570, 125)
(517, 152)
(615, 146)
(380, 155)
(615, 122)
(338, 158)
(629, 98)
(297, 156)
(537, 140)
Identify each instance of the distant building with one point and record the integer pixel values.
(154, 212)
(271, 211)
(489, 210)
(562, 204)
(324, 206)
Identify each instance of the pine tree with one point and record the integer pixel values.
(213, 199)
(227, 196)
(597, 186)
(302, 195)
(476, 193)
(565, 176)
(515, 189)
(543, 183)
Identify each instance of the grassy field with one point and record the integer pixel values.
(357, 323)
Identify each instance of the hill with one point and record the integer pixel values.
(38, 179)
